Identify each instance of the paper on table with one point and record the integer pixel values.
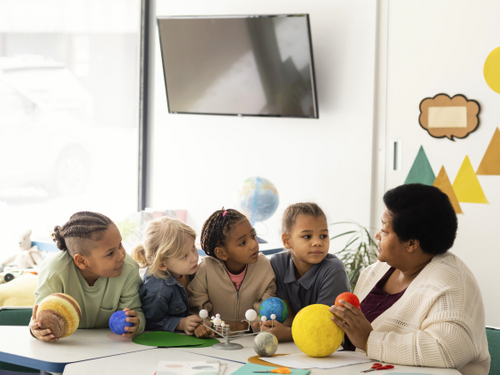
(188, 368)
(303, 361)
(250, 368)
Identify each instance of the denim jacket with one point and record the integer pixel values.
(164, 303)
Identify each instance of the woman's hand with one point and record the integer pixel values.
(354, 323)
(189, 324)
(132, 317)
(37, 332)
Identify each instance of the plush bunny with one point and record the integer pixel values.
(27, 256)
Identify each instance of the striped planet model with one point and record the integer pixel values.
(60, 313)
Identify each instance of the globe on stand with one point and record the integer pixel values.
(258, 199)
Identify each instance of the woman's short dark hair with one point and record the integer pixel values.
(424, 213)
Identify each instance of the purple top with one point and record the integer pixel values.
(376, 302)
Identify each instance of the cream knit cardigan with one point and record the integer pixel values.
(438, 322)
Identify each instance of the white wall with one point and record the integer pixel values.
(440, 47)
(199, 161)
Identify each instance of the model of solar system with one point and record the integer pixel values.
(265, 343)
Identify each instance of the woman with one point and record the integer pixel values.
(421, 305)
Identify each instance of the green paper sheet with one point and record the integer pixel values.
(249, 368)
(421, 170)
(169, 339)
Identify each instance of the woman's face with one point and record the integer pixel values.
(390, 249)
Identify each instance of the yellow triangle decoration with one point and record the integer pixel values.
(466, 185)
(490, 165)
(443, 183)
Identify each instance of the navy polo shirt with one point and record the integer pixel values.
(322, 283)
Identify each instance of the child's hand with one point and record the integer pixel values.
(202, 331)
(189, 324)
(40, 334)
(133, 318)
(282, 332)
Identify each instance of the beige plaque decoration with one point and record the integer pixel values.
(443, 116)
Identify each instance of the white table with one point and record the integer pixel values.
(290, 348)
(145, 363)
(18, 347)
(139, 363)
(91, 352)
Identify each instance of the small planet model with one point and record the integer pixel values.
(348, 297)
(265, 344)
(315, 333)
(60, 313)
(117, 322)
(276, 306)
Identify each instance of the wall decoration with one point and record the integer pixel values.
(421, 170)
(466, 185)
(443, 183)
(491, 70)
(443, 116)
(490, 165)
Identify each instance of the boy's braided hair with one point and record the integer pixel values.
(216, 229)
(83, 225)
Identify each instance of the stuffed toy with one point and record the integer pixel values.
(19, 292)
(27, 256)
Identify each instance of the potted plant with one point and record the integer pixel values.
(359, 251)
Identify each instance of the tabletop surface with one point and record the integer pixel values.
(95, 351)
(19, 347)
(139, 363)
(290, 348)
(145, 363)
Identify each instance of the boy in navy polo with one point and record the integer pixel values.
(306, 273)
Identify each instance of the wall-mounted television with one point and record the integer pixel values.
(252, 65)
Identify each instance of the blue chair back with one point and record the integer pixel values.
(493, 336)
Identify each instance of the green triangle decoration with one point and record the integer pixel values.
(421, 170)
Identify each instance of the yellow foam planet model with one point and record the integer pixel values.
(315, 333)
(60, 313)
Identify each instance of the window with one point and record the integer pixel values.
(69, 112)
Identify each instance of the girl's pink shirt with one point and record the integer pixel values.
(237, 279)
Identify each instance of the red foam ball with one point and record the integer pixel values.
(348, 297)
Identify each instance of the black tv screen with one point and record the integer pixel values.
(239, 65)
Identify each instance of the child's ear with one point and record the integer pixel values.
(80, 261)
(162, 267)
(286, 241)
(220, 254)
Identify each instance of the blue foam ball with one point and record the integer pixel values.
(117, 322)
(276, 306)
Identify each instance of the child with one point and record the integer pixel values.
(94, 269)
(306, 274)
(234, 277)
(171, 257)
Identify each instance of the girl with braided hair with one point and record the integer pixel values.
(234, 277)
(95, 270)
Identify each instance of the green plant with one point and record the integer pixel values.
(359, 251)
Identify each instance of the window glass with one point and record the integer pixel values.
(69, 113)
